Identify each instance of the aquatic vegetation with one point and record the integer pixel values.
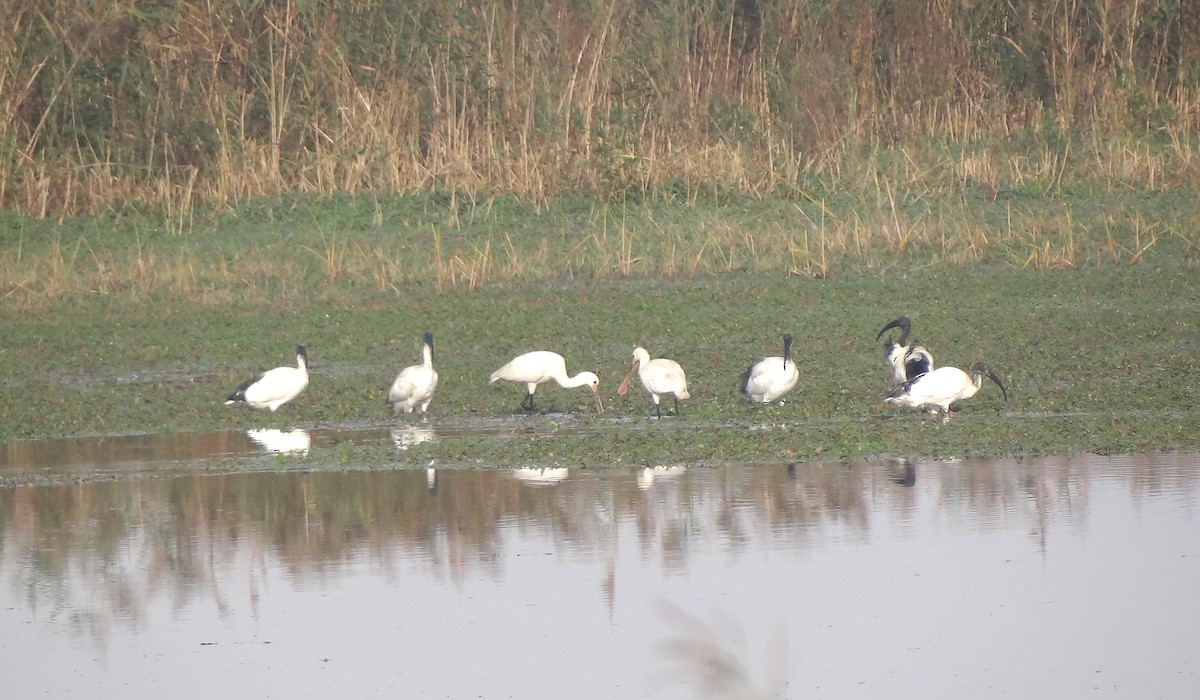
(1094, 360)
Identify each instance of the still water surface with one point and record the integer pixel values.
(1040, 578)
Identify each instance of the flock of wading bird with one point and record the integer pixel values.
(916, 383)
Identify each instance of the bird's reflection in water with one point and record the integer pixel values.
(406, 437)
(540, 475)
(646, 476)
(278, 441)
(431, 480)
(902, 471)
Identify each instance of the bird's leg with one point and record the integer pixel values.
(527, 403)
(676, 400)
(946, 415)
(657, 410)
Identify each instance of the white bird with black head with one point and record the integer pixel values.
(414, 385)
(907, 363)
(937, 389)
(273, 388)
(660, 376)
(771, 378)
(540, 366)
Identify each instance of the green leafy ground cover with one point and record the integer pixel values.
(1102, 358)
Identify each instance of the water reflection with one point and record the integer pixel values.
(281, 442)
(646, 477)
(406, 437)
(101, 456)
(873, 580)
(540, 475)
(903, 471)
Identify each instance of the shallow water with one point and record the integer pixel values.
(92, 458)
(1041, 578)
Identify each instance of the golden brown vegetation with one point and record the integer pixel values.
(169, 104)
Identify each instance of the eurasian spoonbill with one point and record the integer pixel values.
(661, 377)
(539, 366)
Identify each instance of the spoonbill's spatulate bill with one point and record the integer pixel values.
(539, 366)
(274, 388)
(661, 377)
(414, 385)
(943, 386)
(771, 378)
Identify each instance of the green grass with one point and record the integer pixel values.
(1100, 359)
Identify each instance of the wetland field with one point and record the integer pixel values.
(148, 333)
(699, 179)
(189, 191)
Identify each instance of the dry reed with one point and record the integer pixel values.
(107, 103)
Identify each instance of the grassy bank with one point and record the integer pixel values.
(885, 218)
(1099, 359)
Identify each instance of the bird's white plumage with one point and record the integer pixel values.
(540, 366)
(907, 362)
(940, 388)
(771, 378)
(415, 384)
(660, 376)
(276, 387)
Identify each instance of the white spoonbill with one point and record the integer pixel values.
(274, 388)
(907, 362)
(539, 366)
(414, 385)
(943, 386)
(661, 377)
(771, 378)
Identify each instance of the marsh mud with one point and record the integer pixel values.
(1049, 577)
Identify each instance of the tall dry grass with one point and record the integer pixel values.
(166, 105)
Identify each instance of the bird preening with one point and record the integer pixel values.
(915, 382)
(771, 378)
(274, 388)
(540, 366)
(414, 385)
(661, 377)
(907, 362)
